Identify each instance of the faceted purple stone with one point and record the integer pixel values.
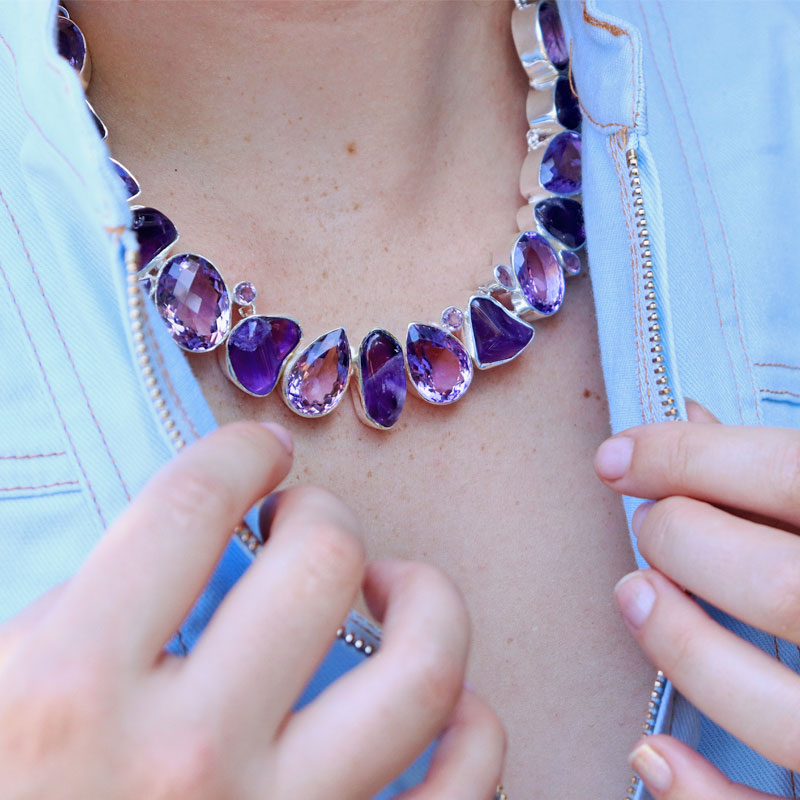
(131, 184)
(571, 261)
(568, 109)
(538, 273)
(71, 43)
(193, 301)
(498, 334)
(502, 274)
(257, 348)
(562, 218)
(440, 367)
(154, 231)
(383, 378)
(99, 124)
(560, 171)
(555, 43)
(317, 380)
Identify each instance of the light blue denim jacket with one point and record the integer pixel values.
(705, 92)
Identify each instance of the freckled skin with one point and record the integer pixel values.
(498, 489)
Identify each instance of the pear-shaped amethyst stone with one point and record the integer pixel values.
(555, 43)
(538, 272)
(383, 378)
(571, 262)
(497, 334)
(71, 43)
(568, 109)
(129, 182)
(560, 171)
(439, 365)
(193, 301)
(154, 231)
(563, 219)
(257, 349)
(316, 381)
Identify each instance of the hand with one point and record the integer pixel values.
(91, 706)
(727, 501)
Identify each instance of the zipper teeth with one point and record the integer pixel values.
(648, 282)
(653, 706)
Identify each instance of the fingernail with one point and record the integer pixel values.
(651, 767)
(635, 597)
(614, 457)
(639, 515)
(283, 435)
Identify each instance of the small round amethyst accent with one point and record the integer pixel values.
(560, 171)
(154, 231)
(452, 318)
(504, 276)
(439, 365)
(571, 262)
(257, 349)
(555, 43)
(130, 183)
(383, 378)
(244, 293)
(498, 335)
(539, 274)
(563, 219)
(71, 43)
(193, 301)
(568, 109)
(316, 382)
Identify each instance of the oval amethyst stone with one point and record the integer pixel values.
(539, 274)
(555, 43)
(560, 171)
(316, 381)
(193, 302)
(568, 110)
(71, 43)
(439, 365)
(562, 218)
(497, 334)
(154, 231)
(257, 349)
(383, 378)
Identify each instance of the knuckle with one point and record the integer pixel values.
(788, 478)
(202, 495)
(782, 596)
(332, 555)
(680, 454)
(679, 653)
(662, 521)
(436, 680)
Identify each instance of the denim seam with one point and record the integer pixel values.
(27, 456)
(39, 486)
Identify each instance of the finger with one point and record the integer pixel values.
(276, 625)
(751, 571)
(468, 760)
(408, 690)
(672, 771)
(140, 582)
(754, 469)
(16, 629)
(739, 686)
(697, 413)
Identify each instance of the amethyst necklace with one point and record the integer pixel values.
(259, 352)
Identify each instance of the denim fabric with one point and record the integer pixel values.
(694, 87)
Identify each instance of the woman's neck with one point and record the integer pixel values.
(367, 153)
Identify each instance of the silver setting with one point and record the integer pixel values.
(358, 381)
(62, 12)
(469, 334)
(522, 308)
(530, 45)
(132, 176)
(153, 267)
(410, 378)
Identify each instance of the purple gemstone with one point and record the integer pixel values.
(193, 301)
(498, 334)
(560, 171)
(562, 218)
(383, 378)
(71, 43)
(538, 273)
(99, 124)
(502, 274)
(555, 43)
(318, 378)
(571, 262)
(257, 348)
(439, 366)
(131, 184)
(568, 109)
(244, 293)
(154, 231)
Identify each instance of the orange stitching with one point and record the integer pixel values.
(716, 206)
(40, 486)
(641, 361)
(614, 30)
(782, 366)
(35, 455)
(64, 343)
(780, 391)
(699, 215)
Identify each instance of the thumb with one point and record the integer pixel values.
(697, 413)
